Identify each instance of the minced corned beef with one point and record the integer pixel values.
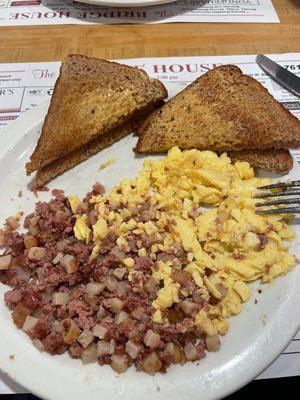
(65, 301)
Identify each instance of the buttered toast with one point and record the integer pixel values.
(222, 110)
(91, 97)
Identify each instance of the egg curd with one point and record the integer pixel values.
(203, 203)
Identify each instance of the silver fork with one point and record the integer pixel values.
(282, 189)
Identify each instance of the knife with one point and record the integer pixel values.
(281, 75)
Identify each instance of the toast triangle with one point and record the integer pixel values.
(223, 110)
(90, 98)
(276, 160)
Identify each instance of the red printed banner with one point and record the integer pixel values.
(25, 3)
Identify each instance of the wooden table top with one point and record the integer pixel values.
(49, 43)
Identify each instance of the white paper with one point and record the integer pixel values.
(25, 85)
(53, 12)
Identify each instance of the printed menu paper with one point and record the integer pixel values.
(55, 12)
(23, 86)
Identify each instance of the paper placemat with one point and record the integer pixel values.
(26, 85)
(56, 12)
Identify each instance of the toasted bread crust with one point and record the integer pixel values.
(277, 160)
(67, 162)
(222, 110)
(91, 97)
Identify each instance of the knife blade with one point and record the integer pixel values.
(281, 75)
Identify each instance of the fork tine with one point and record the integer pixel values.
(295, 200)
(287, 210)
(277, 194)
(281, 185)
(290, 188)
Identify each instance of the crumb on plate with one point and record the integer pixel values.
(107, 163)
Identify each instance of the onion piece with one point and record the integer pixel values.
(85, 338)
(188, 307)
(38, 344)
(118, 253)
(138, 313)
(33, 228)
(119, 363)
(111, 283)
(116, 304)
(170, 348)
(99, 331)
(58, 327)
(120, 317)
(133, 349)
(36, 253)
(212, 343)
(90, 300)
(151, 339)
(150, 285)
(57, 258)
(61, 245)
(5, 262)
(89, 355)
(69, 264)
(121, 288)
(151, 364)
(94, 288)
(58, 299)
(191, 352)
(104, 348)
(119, 273)
(101, 312)
(30, 323)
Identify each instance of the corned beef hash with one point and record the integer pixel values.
(143, 275)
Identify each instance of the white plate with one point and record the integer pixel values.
(126, 3)
(256, 337)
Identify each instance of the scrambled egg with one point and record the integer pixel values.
(202, 202)
(107, 163)
(81, 229)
